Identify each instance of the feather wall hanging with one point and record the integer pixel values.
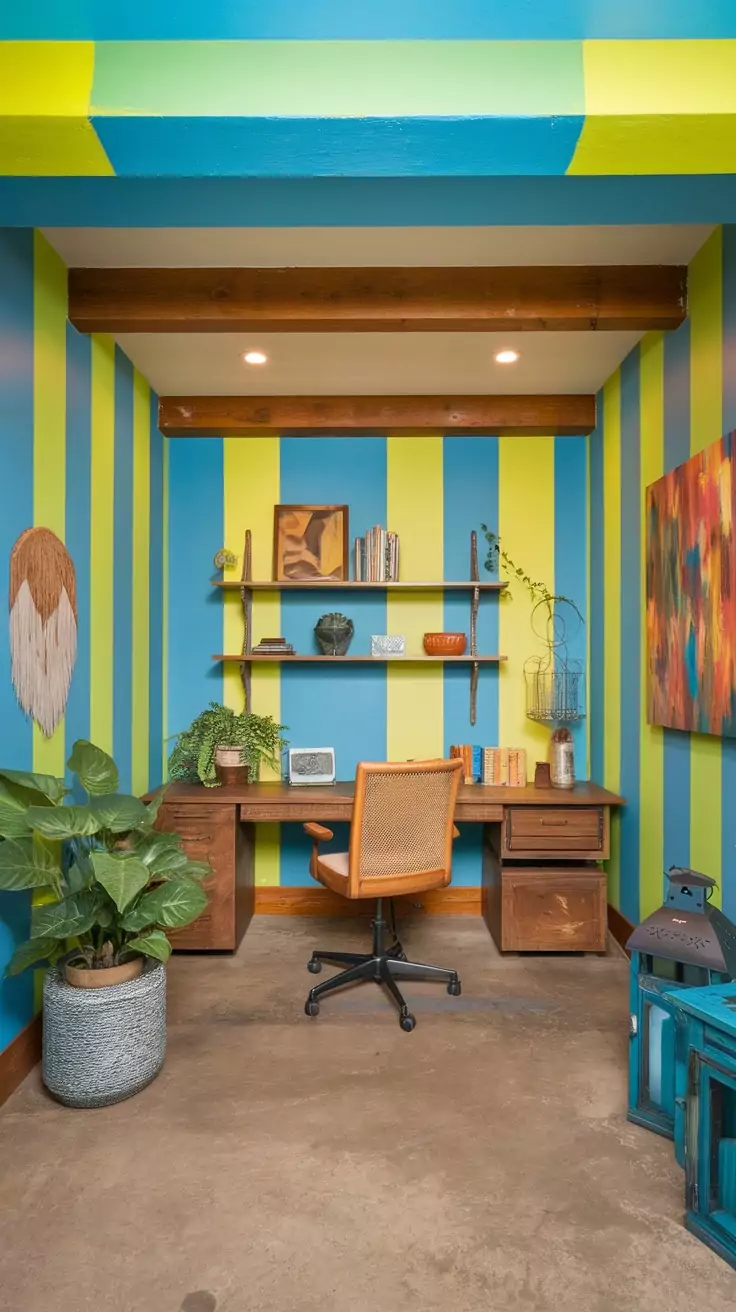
(43, 625)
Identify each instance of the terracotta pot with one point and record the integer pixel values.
(82, 978)
(445, 644)
(229, 767)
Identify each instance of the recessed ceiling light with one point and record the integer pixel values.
(506, 357)
(255, 357)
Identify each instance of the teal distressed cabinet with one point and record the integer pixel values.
(706, 1069)
(684, 943)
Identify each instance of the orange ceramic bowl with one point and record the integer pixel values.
(445, 644)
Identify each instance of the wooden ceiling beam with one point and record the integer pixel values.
(530, 299)
(367, 416)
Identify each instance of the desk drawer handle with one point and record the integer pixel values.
(554, 823)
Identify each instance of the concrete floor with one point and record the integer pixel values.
(482, 1162)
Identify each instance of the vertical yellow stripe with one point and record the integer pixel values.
(526, 526)
(705, 305)
(651, 740)
(612, 612)
(101, 541)
(165, 615)
(49, 434)
(252, 478)
(415, 510)
(141, 569)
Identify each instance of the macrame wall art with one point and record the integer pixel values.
(43, 625)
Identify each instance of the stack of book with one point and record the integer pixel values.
(376, 557)
(273, 647)
(504, 766)
(470, 757)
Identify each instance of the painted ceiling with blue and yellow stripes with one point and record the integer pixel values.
(290, 108)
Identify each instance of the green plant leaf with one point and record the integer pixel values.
(26, 863)
(66, 919)
(48, 785)
(122, 877)
(168, 861)
(30, 953)
(149, 846)
(96, 771)
(198, 870)
(119, 813)
(170, 905)
(155, 802)
(60, 822)
(13, 822)
(154, 944)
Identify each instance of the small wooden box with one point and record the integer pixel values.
(546, 908)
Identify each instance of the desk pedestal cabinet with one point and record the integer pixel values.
(542, 890)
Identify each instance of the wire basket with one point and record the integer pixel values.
(554, 696)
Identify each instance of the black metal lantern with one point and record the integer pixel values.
(685, 943)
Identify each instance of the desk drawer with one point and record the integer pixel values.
(207, 834)
(558, 830)
(553, 909)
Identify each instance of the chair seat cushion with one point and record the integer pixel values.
(332, 871)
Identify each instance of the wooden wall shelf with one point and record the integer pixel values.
(324, 585)
(364, 660)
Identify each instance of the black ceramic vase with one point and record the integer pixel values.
(333, 633)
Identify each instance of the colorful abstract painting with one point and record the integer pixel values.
(691, 594)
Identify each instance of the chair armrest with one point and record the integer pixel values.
(455, 831)
(318, 832)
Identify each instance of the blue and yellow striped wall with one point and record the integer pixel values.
(672, 396)
(367, 108)
(81, 454)
(432, 491)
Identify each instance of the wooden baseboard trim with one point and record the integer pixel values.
(318, 901)
(19, 1058)
(620, 927)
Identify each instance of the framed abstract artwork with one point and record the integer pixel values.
(310, 542)
(691, 593)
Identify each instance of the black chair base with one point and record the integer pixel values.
(384, 965)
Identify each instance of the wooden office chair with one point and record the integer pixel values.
(401, 836)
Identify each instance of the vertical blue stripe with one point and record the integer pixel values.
(571, 565)
(122, 726)
(631, 619)
(77, 524)
(728, 750)
(341, 706)
(676, 750)
(470, 493)
(156, 600)
(16, 514)
(597, 599)
(196, 532)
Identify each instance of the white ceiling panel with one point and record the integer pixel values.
(375, 363)
(344, 247)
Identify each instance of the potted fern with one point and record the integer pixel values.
(108, 887)
(224, 747)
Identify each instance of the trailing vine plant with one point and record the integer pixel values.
(497, 557)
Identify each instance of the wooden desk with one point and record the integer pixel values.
(542, 888)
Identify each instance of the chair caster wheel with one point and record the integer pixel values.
(401, 956)
(311, 1008)
(454, 988)
(314, 966)
(407, 1023)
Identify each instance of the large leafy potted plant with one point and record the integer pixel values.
(222, 746)
(112, 887)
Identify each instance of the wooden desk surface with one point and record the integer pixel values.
(281, 801)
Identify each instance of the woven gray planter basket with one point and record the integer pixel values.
(103, 1045)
